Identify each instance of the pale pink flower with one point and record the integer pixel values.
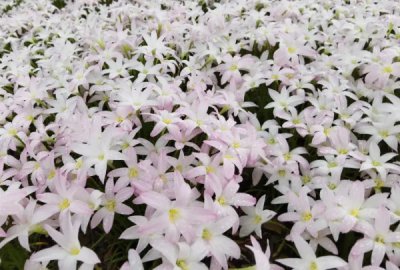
(112, 203)
(309, 260)
(255, 218)
(220, 247)
(68, 250)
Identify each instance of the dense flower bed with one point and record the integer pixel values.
(190, 135)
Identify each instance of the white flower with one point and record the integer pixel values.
(255, 218)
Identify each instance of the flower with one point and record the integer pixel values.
(309, 260)
(378, 238)
(134, 262)
(68, 250)
(210, 237)
(100, 150)
(112, 203)
(379, 163)
(262, 258)
(255, 218)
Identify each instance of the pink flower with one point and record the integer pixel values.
(379, 163)
(112, 203)
(378, 238)
(175, 218)
(68, 250)
(262, 258)
(255, 218)
(210, 237)
(64, 199)
(309, 260)
(134, 262)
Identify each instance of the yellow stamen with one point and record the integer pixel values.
(384, 134)
(51, 175)
(74, 251)
(64, 204)
(257, 219)
(167, 121)
(332, 164)
(221, 200)
(354, 212)
(380, 239)
(133, 172)
(173, 214)
(281, 173)
(388, 69)
(306, 179)
(306, 216)
(332, 186)
(376, 163)
(111, 205)
(182, 264)
(236, 145)
(206, 235)
(210, 169)
(233, 68)
(291, 49)
(313, 266)
(78, 164)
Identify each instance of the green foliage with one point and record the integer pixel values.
(59, 3)
(13, 256)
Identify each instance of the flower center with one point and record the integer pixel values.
(182, 264)
(233, 68)
(64, 204)
(388, 69)
(296, 121)
(111, 205)
(167, 121)
(384, 134)
(236, 145)
(380, 239)
(257, 219)
(332, 186)
(306, 216)
(210, 169)
(51, 175)
(74, 251)
(354, 212)
(313, 266)
(173, 214)
(291, 49)
(133, 172)
(332, 164)
(79, 164)
(306, 179)
(221, 200)
(376, 163)
(287, 156)
(206, 234)
(281, 173)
